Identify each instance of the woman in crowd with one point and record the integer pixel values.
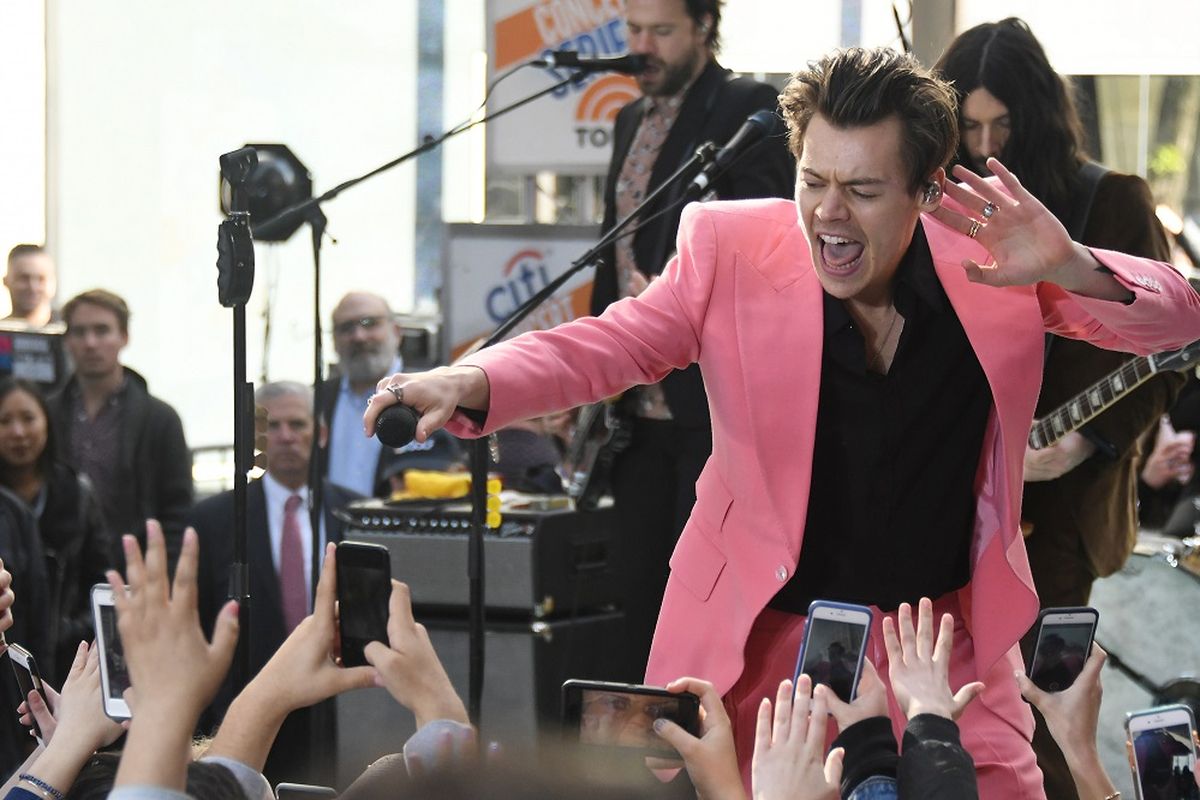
(75, 543)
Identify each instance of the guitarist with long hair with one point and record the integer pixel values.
(1080, 493)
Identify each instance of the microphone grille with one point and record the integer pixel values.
(396, 425)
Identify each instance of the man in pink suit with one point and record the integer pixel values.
(872, 355)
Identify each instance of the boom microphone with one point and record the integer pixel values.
(396, 425)
(759, 125)
(631, 64)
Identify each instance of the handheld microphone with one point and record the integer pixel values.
(758, 126)
(631, 64)
(396, 425)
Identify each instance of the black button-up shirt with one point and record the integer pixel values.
(892, 500)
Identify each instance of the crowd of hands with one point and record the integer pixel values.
(175, 671)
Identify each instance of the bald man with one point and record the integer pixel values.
(367, 340)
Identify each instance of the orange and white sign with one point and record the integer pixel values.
(569, 131)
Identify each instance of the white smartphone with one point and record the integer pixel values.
(25, 670)
(835, 638)
(1164, 763)
(1063, 642)
(114, 677)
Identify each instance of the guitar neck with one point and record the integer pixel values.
(1085, 406)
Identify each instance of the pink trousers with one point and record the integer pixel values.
(996, 728)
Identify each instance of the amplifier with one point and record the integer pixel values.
(537, 563)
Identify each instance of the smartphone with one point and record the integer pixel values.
(303, 791)
(835, 639)
(1061, 646)
(28, 680)
(622, 715)
(1164, 763)
(114, 676)
(364, 581)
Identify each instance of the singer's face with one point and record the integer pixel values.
(671, 41)
(855, 206)
(289, 438)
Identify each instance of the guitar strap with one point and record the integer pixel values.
(1082, 198)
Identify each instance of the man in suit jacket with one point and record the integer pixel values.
(279, 552)
(688, 99)
(870, 305)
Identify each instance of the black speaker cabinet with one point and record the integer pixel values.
(525, 664)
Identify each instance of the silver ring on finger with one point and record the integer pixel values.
(397, 392)
(973, 231)
(988, 210)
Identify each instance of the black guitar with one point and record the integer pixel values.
(1092, 401)
(602, 430)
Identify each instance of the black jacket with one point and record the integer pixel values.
(714, 109)
(934, 764)
(155, 464)
(78, 549)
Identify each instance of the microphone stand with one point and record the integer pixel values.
(235, 265)
(478, 449)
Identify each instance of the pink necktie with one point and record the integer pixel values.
(292, 590)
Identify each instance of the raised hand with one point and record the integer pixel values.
(409, 667)
(171, 664)
(710, 758)
(789, 748)
(301, 673)
(919, 668)
(1026, 242)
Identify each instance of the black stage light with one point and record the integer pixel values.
(278, 181)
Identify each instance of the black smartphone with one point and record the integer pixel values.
(1061, 646)
(364, 581)
(28, 680)
(835, 638)
(623, 714)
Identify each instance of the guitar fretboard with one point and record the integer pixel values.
(1089, 403)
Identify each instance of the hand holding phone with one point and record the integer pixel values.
(835, 638)
(114, 675)
(25, 670)
(364, 586)
(622, 715)
(1061, 646)
(1164, 750)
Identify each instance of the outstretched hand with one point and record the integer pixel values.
(171, 665)
(1026, 242)
(789, 748)
(919, 668)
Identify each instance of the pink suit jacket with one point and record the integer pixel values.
(742, 298)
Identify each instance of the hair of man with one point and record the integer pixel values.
(22, 250)
(102, 298)
(859, 87)
(1046, 143)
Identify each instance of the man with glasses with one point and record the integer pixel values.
(367, 340)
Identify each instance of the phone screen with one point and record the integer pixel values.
(1059, 654)
(1166, 762)
(114, 654)
(626, 719)
(832, 654)
(364, 588)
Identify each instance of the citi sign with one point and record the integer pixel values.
(524, 274)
